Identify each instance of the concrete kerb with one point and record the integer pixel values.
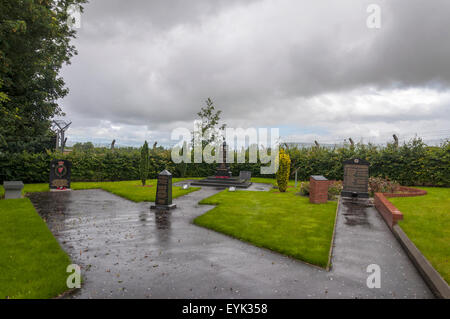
(433, 279)
(330, 254)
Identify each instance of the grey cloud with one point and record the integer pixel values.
(154, 62)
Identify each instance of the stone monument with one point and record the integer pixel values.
(164, 192)
(356, 179)
(60, 171)
(223, 176)
(223, 171)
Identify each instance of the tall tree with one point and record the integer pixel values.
(144, 163)
(209, 120)
(34, 44)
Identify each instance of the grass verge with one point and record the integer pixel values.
(426, 221)
(32, 264)
(283, 222)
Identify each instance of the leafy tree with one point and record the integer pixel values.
(144, 163)
(84, 147)
(34, 44)
(209, 120)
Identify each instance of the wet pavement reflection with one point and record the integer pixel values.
(355, 212)
(126, 250)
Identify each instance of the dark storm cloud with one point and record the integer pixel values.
(264, 62)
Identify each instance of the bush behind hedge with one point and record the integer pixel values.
(413, 163)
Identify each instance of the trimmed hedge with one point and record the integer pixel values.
(413, 163)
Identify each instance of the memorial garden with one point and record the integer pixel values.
(316, 195)
(280, 216)
(337, 220)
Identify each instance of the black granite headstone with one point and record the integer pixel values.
(60, 171)
(356, 178)
(164, 191)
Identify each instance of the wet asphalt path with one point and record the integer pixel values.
(127, 250)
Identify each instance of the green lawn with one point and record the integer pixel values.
(426, 221)
(32, 264)
(282, 222)
(273, 181)
(131, 190)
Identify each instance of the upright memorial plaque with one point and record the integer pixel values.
(164, 191)
(356, 178)
(60, 175)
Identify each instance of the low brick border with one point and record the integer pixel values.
(391, 216)
(388, 211)
(407, 192)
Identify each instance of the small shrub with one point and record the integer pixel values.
(334, 190)
(382, 185)
(304, 189)
(283, 171)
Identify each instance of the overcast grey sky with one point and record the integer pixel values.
(312, 68)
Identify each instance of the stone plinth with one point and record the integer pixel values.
(13, 189)
(318, 189)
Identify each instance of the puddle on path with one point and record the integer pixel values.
(355, 212)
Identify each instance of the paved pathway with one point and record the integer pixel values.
(127, 250)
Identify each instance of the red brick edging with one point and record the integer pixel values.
(388, 211)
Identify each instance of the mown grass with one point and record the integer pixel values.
(32, 264)
(132, 190)
(426, 221)
(283, 222)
